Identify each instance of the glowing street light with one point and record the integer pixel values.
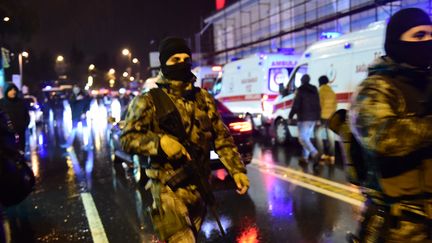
(125, 74)
(25, 54)
(135, 60)
(6, 19)
(60, 58)
(131, 78)
(126, 52)
(91, 67)
(111, 71)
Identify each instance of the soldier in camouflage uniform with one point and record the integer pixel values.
(391, 117)
(183, 209)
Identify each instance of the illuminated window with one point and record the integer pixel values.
(278, 76)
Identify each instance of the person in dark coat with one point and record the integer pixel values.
(307, 108)
(8, 147)
(79, 103)
(17, 111)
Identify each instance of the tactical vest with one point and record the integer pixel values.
(170, 121)
(408, 177)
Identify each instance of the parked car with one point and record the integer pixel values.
(240, 129)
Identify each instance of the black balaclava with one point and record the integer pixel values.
(181, 71)
(417, 54)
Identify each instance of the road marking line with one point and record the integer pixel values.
(96, 227)
(314, 183)
(259, 164)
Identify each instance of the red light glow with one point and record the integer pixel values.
(241, 126)
(220, 4)
(250, 235)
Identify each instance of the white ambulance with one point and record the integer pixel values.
(207, 76)
(249, 86)
(344, 60)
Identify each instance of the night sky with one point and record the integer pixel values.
(107, 26)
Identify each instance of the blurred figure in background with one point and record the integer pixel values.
(391, 117)
(107, 100)
(79, 103)
(8, 147)
(328, 105)
(17, 111)
(124, 100)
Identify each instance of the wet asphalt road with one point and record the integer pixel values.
(274, 210)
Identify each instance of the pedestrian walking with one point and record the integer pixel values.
(307, 108)
(79, 103)
(328, 105)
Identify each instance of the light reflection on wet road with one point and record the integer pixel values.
(274, 210)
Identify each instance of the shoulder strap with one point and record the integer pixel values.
(168, 116)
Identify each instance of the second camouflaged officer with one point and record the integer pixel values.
(178, 214)
(391, 117)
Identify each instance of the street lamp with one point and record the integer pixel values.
(91, 67)
(126, 52)
(131, 78)
(6, 19)
(111, 82)
(136, 61)
(125, 74)
(90, 81)
(60, 58)
(20, 64)
(111, 71)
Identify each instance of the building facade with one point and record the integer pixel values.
(251, 26)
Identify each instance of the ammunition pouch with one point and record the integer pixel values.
(181, 178)
(166, 223)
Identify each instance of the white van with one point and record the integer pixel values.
(207, 76)
(344, 60)
(249, 86)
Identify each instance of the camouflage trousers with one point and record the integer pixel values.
(381, 225)
(177, 216)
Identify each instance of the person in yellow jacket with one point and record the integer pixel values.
(328, 105)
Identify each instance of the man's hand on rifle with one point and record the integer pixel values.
(172, 148)
(242, 182)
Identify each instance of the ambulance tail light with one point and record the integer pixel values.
(216, 68)
(240, 126)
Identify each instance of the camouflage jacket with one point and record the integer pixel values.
(391, 118)
(142, 133)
